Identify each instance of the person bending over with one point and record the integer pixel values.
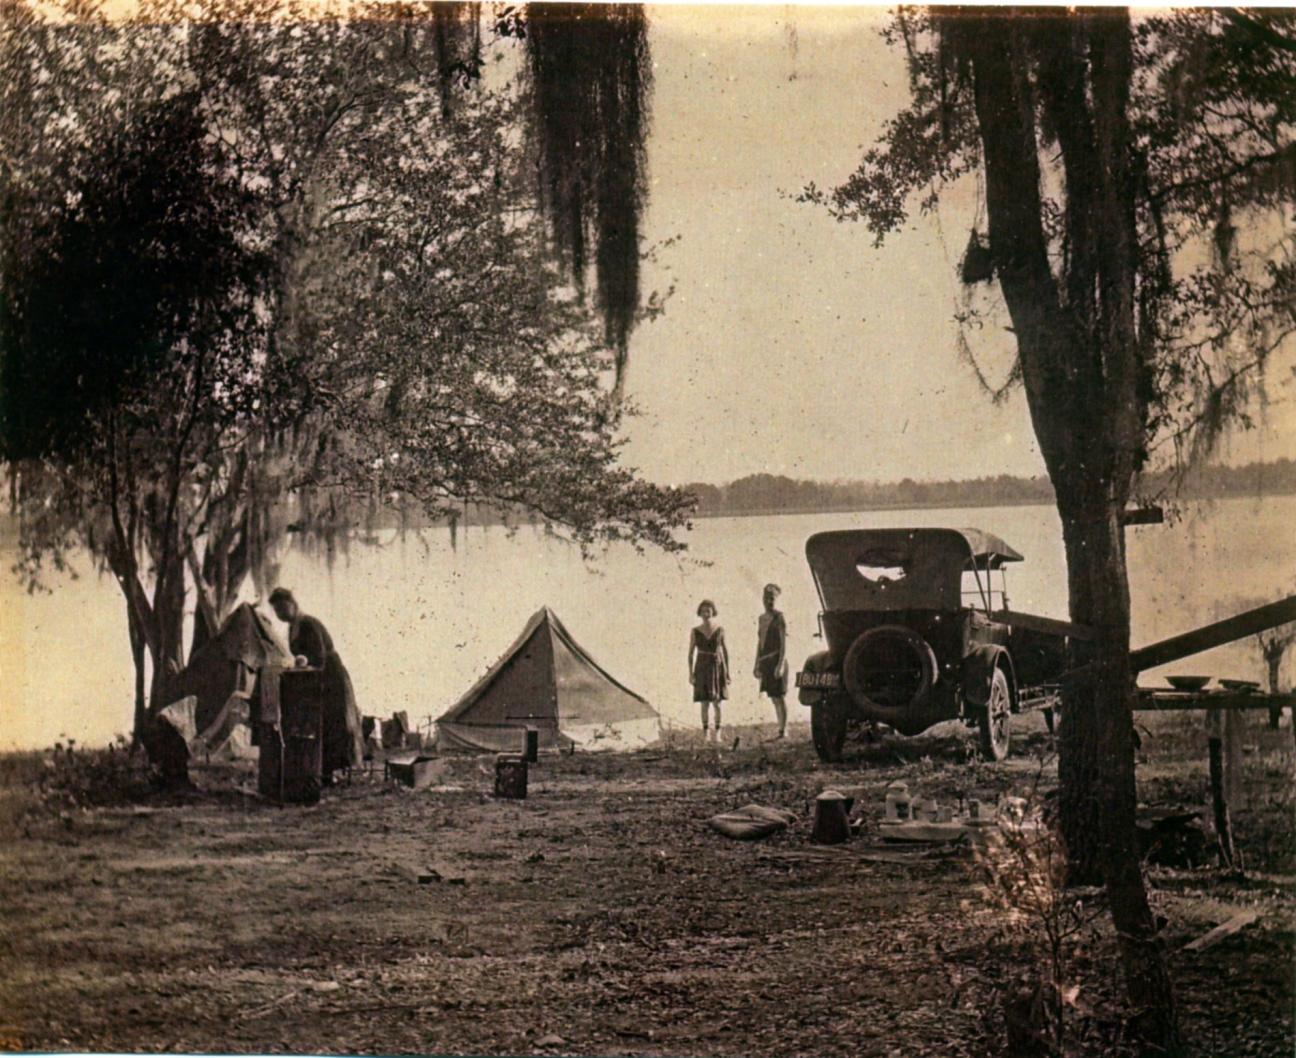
(312, 647)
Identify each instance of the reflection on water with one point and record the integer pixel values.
(417, 620)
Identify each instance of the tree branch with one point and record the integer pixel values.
(1259, 30)
(1286, 156)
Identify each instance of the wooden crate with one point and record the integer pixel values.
(416, 774)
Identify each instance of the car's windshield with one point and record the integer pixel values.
(984, 589)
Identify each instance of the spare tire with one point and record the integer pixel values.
(888, 669)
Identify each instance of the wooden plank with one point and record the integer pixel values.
(1152, 701)
(1143, 516)
(1047, 625)
(1224, 929)
(1239, 626)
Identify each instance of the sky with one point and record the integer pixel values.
(792, 345)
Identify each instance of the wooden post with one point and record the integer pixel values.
(1223, 826)
(1273, 662)
(1234, 730)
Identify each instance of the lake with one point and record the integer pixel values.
(417, 620)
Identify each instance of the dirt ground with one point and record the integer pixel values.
(600, 916)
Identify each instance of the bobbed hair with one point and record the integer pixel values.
(281, 595)
(707, 603)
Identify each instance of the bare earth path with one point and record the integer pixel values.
(598, 917)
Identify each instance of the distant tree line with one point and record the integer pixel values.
(763, 493)
(776, 493)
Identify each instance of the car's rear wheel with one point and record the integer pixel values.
(828, 730)
(994, 724)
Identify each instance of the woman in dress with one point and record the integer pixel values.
(312, 647)
(771, 656)
(709, 666)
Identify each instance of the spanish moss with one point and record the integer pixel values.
(590, 74)
(457, 43)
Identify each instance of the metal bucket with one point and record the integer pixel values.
(831, 825)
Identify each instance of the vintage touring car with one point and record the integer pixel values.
(918, 631)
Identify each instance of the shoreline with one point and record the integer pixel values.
(855, 508)
(935, 505)
(9, 524)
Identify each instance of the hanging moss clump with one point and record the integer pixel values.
(978, 263)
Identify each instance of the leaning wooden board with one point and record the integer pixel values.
(1225, 929)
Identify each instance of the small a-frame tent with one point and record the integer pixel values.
(547, 681)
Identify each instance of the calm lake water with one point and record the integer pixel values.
(417, 620)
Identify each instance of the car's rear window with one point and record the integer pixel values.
(881, 568)
(888, 569)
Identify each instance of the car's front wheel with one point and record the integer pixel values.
(993, 724)
(828, 730)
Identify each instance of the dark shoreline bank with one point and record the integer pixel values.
(9, 525)
(964, 505)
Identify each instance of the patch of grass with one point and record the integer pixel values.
(50, 785)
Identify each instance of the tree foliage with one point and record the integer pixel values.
(587, 74)
(131, 358)
(1212, 167)
(312, 289)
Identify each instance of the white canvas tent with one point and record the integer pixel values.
(546, 680)
(227, 738)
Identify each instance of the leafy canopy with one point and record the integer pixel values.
(1212, 113)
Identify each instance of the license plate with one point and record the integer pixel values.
(818, 680)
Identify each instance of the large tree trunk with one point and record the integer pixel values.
(168, 612)
(1096, 749)
(1079, 353)
(1096, 761)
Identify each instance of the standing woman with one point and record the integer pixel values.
(771, 656)
(709, 665)
(312, 646)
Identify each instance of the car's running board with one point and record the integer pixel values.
(1045, 696)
